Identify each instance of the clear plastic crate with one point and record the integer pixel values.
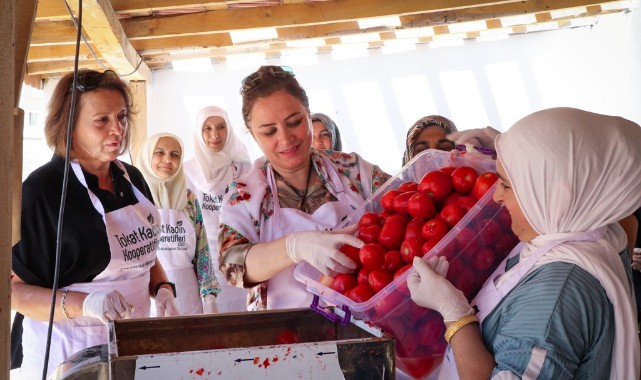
(484, 232)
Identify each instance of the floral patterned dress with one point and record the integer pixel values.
(247, 215)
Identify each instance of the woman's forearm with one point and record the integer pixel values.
(35, 302)
(473, 360)
(265, 260)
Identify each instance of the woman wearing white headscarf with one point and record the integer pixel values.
(183, 249)
(219, 158)
(560, 306)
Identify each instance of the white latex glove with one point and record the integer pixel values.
(209, 304)
(166, 304)
(483, 137)
(429, 288)
(107, 306)
(320, 249)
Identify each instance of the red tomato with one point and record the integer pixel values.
(401, 201)
(344, 282)
(378, 279)
(452, 214)
(408, 186)
(287, 336)
(483, 183)
(361, 293)
(466, 202)
(369, 234)
(465, 281)
(363, 276)
(431, 329)
(464, 237)
(351, 252)
(393, 261)
(428, 245)
(436, 184)
(368, 219)
(483, 259)
(387, 304)
(407, 346)
(452, 199)
(490, 231)
(448, 170)
(372, 256)
(392, 234)
(387, 200)
(385, 214)
(413, 228)
(463, 179)
(421, 206)
(326, 280)
(403, 219)
(403, 269)
(434, 227)
(411, 248)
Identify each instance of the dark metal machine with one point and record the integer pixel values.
(279, 344)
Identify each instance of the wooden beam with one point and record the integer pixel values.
(285, 15)
(7, 126)
(56, 52)
(25, 13)
(101, 25)
(60, 67)
(139, 129)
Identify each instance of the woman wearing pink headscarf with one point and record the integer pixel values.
(560, 306)
(219, 158)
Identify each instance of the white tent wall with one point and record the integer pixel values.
(375, 98)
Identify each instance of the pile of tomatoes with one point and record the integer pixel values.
(410, 221)
(414, 218)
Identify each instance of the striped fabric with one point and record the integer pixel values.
(537, 339)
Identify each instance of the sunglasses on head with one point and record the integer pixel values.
(91, 80)
(253, 80)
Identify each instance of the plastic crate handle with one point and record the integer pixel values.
(329, 314)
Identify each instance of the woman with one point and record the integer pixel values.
(110, 231)
(219, 158)
(183, 250)
(428, 132)
(292, 188)
(561, 304)
(326, 133)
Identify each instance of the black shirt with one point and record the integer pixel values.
(85, 248)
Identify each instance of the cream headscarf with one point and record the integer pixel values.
(574, 171)
(170, 193)
(214, 169)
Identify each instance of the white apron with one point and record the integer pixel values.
(230, 299)
(133, 238)
(176, 252)
(283, 290)
(491, 295)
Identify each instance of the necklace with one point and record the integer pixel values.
(301, 204)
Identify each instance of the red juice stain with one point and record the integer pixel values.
(200, 371)
(266, 362)
(256, 359)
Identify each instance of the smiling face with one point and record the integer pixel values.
(280, 124)
(505, 194)
(100, 127)
(322, 137)
(215, 133)
(165, 160)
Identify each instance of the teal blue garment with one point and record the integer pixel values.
(561, 311)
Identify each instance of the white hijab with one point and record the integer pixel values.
(213, 171)
(170, 193)
(574, 171)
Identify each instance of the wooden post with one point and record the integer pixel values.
(7, 106)
(139, 131)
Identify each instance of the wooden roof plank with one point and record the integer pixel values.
(101, 25)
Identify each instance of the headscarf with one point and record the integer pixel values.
(574, 171)
(170, 193)
(418, 127)
(332, 128)
(214, 170)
